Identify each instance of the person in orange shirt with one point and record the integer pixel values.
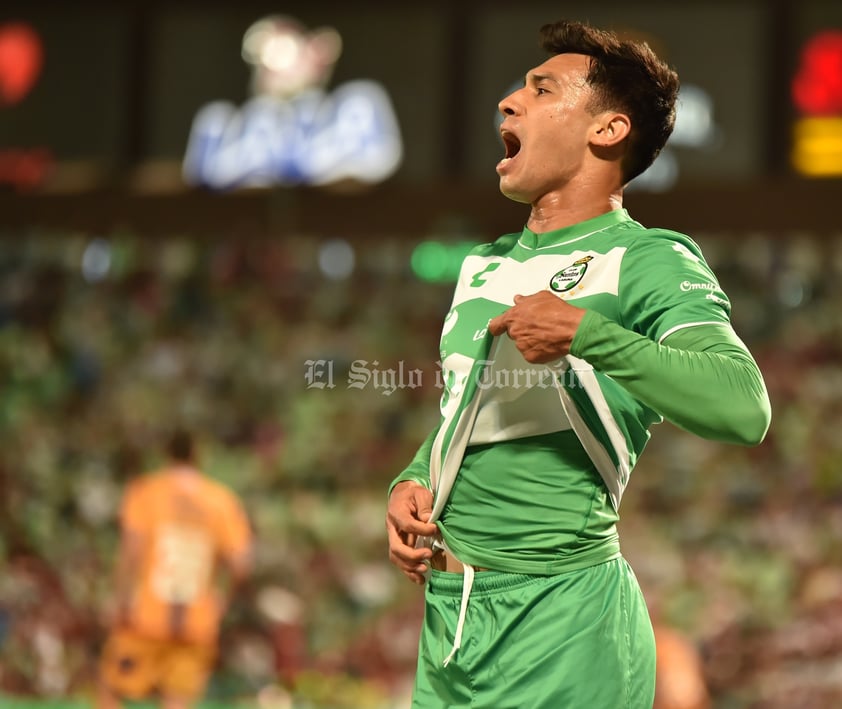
(185, 545)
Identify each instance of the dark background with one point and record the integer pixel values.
(122, 82)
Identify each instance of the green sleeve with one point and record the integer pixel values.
(419, 469)
(702, 378)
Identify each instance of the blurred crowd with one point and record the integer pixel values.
(310, 382)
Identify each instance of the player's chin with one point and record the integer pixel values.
(512, 192)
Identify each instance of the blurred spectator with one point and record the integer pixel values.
(680, 673)
(178, 528)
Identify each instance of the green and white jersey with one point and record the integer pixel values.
(530, 461)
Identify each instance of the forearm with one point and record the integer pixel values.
(703, 380)
(419, 468)
(236, 571)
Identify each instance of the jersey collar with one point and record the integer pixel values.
(530, 240)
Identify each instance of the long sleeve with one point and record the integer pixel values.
(702, 378)
(419, 468)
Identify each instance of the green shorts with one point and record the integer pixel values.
(577, 640)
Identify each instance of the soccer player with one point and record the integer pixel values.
(185, 544)
(565, 342)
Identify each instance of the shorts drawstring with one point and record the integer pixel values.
(467, 585)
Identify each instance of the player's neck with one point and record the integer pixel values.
(183, 468)
(558, 210)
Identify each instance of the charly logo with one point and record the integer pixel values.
(569, 277)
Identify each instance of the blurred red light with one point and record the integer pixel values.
(21, 57)
(817, 87)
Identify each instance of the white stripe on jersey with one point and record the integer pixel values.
(514, 277)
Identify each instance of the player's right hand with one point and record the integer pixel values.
(410, 506)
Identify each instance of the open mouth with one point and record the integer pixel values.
(511, 143)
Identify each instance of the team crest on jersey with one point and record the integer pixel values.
(569, 277)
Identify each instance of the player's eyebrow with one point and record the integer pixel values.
(532, 78)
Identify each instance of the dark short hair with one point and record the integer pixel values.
(626, 75)
(180, 446)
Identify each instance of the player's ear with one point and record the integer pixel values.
(610, 129)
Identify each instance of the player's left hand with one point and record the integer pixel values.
(541, 325)
(409, 509)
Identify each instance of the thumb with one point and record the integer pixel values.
(425, 511)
